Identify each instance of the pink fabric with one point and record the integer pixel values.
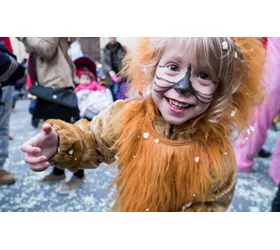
(264, 116)
(116, 79)
(93, 87)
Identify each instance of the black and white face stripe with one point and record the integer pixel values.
(183, 86)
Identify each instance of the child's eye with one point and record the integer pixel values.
(173, 67)
(204, 76)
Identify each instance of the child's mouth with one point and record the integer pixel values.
(178, 105)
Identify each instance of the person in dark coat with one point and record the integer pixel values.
(113, 54)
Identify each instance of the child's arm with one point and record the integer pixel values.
(221, 198)
(95, 86)
(82, 145)
(78, 88)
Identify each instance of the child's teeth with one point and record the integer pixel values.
(177, 104)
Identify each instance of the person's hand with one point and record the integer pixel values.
(116, 79)
(40, 148)
(112, 73)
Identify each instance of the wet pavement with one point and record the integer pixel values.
(254, 191)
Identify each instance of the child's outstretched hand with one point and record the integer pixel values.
(40, 148)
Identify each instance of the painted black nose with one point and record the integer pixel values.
(185, 85)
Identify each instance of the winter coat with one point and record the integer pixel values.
(53, 66)
(113, 55)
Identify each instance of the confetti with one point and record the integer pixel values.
(196, 159)
(244, 141)
(145, 71)
(224, 45)
(186, 206)
(252, 128)
(248, 131)
(233, 113)
(225, 153)
(147, 209)
(146, 135)
(156, 140)
(71, 152)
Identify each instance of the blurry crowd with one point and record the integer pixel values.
(62, 82)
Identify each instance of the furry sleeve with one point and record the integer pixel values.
(86, 144)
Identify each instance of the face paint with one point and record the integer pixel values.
(184, 86)
(181, 88)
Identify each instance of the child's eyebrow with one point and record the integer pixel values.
(176, 58)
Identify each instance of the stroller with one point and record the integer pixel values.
(90, 103)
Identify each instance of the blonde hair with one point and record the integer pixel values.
(238, 63)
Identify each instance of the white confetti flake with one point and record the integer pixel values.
(235, 54)
(146, 135)
(89, 200)
(224, 45)
(196, 159)
(186, 206)
(145, 71)
(248, 131)
(244, 141)
(138, 136)
(252, 128)
(134, 156)
(58, 150)
(71, 152)
(233, 113)
(156, 140)
(147, 209)
(76, 159)
(225, 153)
(89, 132)
(194, 195)
(54, 96)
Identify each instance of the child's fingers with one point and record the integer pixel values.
(26, 148)
(40, 167)
(30, 159)
(47, 128)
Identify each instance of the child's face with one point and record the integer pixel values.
(85, 79)
(180, 89)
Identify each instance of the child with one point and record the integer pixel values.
(87, 81)
(92, 98)
(172, 142)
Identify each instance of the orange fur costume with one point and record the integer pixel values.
(189, 167)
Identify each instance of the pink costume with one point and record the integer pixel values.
(263, 116)
(93, 87)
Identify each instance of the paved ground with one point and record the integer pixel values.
(254, 191)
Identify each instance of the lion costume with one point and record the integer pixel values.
(163, 167)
